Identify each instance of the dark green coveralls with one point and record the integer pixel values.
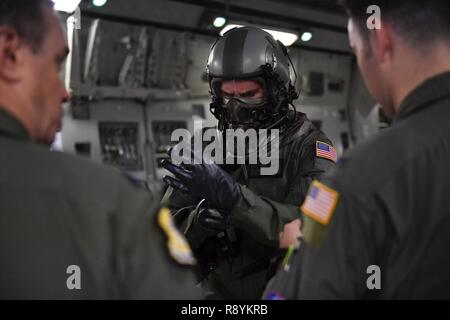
(393, 213)
(58, 211)
(238, 268)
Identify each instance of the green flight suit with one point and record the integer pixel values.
(389, 234)
(239, 268)
(65, 221)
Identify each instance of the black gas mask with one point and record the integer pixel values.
(246, 110)
(265, 112)
(242, 111)
(243, 115)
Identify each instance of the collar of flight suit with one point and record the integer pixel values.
(11, 126)
(427, 93)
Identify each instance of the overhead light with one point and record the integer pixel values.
(68, 6)
(286, 38)
(306, 36)
(99, 3)
(219, 22)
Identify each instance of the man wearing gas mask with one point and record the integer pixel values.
(232, 214)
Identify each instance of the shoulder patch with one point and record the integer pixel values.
(326, 151)
(178, 247)
(320, 202)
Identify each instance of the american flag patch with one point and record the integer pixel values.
(320, 202)
(274, 296)
(324, 150)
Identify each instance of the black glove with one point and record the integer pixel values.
(204, 223)
(213, 219)
(204, 181)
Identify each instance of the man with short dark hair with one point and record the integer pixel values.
(69, 229)
(380, 221)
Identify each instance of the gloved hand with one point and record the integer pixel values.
(204, 223)
(204, 181)
(213, 219)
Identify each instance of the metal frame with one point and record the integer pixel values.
(199, 31)
(232, 8)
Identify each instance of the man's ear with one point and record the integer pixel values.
(382, 42)
(11, 54)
